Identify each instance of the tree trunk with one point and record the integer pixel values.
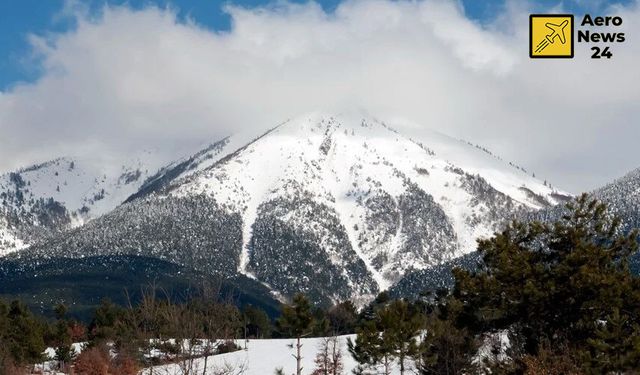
(298, 357)
(150, 359)
(335, 360)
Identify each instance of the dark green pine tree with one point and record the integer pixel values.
(615, 347)
(343, 317)
(367, 349)
(103, 324)
(446, 349)
(402, 324)
(391, 335)
(6, 359)
(297, 321)
(551, 282)
(62, 338)
(258, 324)
(24, 338)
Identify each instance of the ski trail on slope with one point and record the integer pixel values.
(398, 239)
(343, 207)
(248, 218)
(257, 176)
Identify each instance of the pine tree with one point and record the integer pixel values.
(343, 318)
(389, 336)
(297, 322)
(103, 324)
(402, 325)
(64, 351)
(24, 337)
(6, 359)
(367, 349)
(257, 321)
(552, 282)
(446, 349)
(616, 345)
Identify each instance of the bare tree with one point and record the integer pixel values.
(329, 358)
(230, 369)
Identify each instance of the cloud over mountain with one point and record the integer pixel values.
(129, 79)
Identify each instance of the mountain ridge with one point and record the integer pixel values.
(334, 206)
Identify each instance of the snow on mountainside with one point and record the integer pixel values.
(64, 193)
(361, 191)
(622, 197)
(334, 206)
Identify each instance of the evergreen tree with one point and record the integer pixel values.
(62, 339)
(615, 347)
(403, 325)
(6, 359)
(553, 282)
(446, 349)
(343, 318)
(257, 321)
(24, 338)
(321, 326)
(367, 349)
(103, 324)
(391, 335)
(297, 322)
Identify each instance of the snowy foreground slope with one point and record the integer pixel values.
(262, 357)
(334, 206)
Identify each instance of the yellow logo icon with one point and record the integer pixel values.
(551, 35)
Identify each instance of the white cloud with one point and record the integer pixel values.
(126, 80)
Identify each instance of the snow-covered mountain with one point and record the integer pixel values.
(334, 206)
(49, 198)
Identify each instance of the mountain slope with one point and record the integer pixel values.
(49, 198)
(334, 206)
(622, 197)
(401, 203)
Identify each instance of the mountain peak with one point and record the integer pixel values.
(333, 205)
(349, 165)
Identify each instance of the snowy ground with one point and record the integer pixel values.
(262, 357)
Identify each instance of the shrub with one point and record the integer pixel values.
(94, 361)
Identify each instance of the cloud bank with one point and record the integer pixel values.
(126, 80)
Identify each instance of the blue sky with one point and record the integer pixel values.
(20, 18)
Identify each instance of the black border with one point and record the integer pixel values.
(531, 16)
